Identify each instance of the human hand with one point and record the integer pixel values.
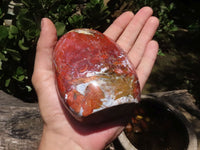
(134, 34)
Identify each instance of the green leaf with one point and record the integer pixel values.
(76, 21)
(14, 53)
(60, 27)
(25, 3)
(13, 31)
(3, 32)
(19, 74)
(21, 78)
(171, 6)
(20, 44)
(25, 21)
(174, 28)
(31, 34)
(28, 88)
(20, 70)
(22, 12)
(3, 57)
(7, 82)
(160, 53)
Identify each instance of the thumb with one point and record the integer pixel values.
(43, 72)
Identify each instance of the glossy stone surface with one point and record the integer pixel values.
(93, 73)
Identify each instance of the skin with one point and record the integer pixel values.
(134, 34)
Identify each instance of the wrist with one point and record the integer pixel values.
(52, 140)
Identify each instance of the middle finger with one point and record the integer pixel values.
(128, 37)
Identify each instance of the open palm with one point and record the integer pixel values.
(134, 34)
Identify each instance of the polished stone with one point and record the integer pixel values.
(93, 73)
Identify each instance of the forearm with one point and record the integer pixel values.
(51, 140)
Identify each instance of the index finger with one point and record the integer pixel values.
(118, 26)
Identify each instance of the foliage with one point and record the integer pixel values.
(18, 40)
